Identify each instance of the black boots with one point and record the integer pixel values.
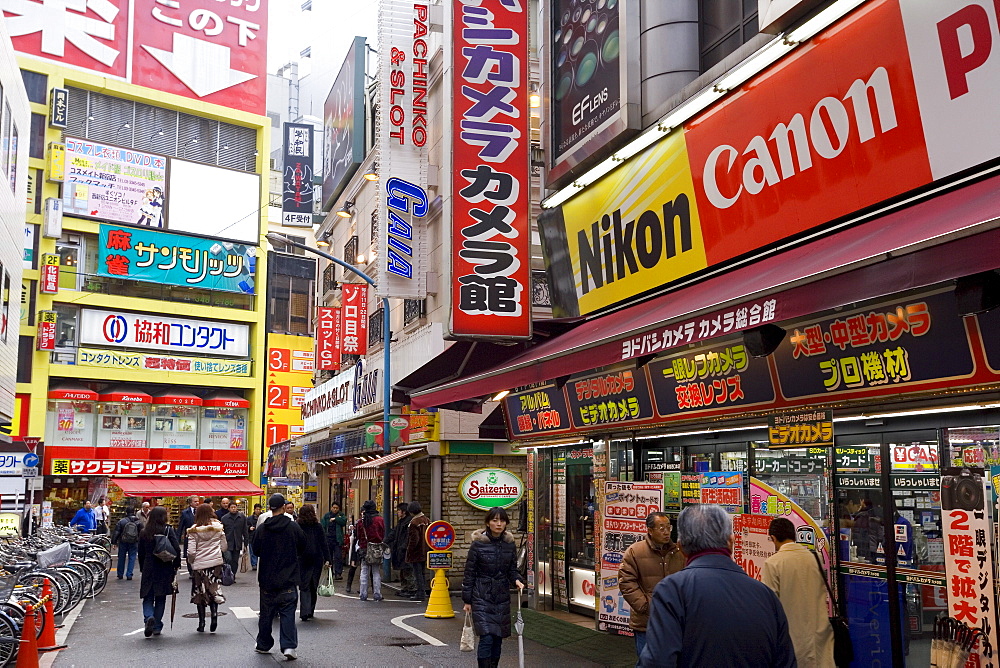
(215, 617)
(201, 619)
(484, 663)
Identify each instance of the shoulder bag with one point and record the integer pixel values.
(373, 551)
(163, 548)
(843, 648)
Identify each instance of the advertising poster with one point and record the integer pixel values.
(626, 505)
(690, 488)
(290, 364)
(752, 546)
(354, 319)
(297, 177)
(723, 488)
(765, 500)
(115, 184)
(344, 124)
(328, 338)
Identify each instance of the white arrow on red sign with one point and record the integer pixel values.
(201, 66)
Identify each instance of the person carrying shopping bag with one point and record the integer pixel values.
(315, 556)
(490, 572)
(206, 543)
(157, 574)
(370, 530)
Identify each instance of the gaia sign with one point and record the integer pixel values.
(491, 488)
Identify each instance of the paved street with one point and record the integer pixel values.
(345, 632)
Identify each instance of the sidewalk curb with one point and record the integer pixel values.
(48, 658)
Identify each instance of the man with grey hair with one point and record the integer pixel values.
(712, 613)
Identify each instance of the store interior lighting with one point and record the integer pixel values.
(925, 411)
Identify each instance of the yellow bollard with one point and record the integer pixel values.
(439, 602)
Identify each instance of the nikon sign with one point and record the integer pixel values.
(491, 488)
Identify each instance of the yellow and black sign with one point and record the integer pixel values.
(801, 429)
(439, 560)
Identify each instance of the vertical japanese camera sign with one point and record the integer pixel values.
(328, 338)
(968, 556)
(297, 178)
(354, 319)
(490, 225)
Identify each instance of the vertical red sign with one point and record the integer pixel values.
(491, 292)
(49, 281)
(45, 338)
(354, 319)
(327, 338)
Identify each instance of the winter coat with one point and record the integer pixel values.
(85, 520)
(142, 519)
(237, 531)
(714, 614)
(187, 519)
(316, 553)
(416, 546)
(116, 535)
(334, 525)
(400, 540)
(206, 543)
(490, 572)
(157, 575)
(280, 545)
(375, 533)
(641, 570)
(793, 574)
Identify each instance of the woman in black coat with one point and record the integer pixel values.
(157, 575)
(317, 553)
(490, 571)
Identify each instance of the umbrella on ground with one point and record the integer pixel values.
(519, 627)
(173, 602)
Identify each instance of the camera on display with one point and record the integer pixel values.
(963, 491)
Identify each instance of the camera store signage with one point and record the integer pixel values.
(968, 556)
(150, 331)
(491, 488)
(611, 398)
(145, 467)
(800, 429)
(536, 411)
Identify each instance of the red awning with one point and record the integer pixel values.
(187, 486)
(177, 398)
(126, 395)
(226, 400)
(952, 235)
(72, 392)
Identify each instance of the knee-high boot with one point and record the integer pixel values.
(215, 616)
(201, 619)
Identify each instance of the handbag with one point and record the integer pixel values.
(373, 551)
(327, 588)
(245, 561)
(227, 575)
(843, 648)
(163, 548)
(468, 642)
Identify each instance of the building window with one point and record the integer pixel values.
(724, 26)
(413, 310)
(25, 358)
(291, 287)
(540, 289)
(375, 322)
(351, 251)
(36, 144)
(36, 85)
(329, 278)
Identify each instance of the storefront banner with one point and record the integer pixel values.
(709, 377)
(398, 433)
(765, 500)
(723, 488)
(290, 363)
(529, 481)
(297, 177)
(145, 467)
(491, 135)
(893, 344)
(752, 546)
(114, 184)
(114, 359)
(536, 411)
(812, 428)
(175, 259)
(612, 398)
(626, 505)
(354, 318)
(151, 331)
(328, 338)
(790, 463)
(45, 335)
(969, 555)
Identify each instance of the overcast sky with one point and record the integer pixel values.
(329, 29)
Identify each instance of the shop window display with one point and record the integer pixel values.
(70, 422)
(174, 427)
(223, 428)
(122, 425)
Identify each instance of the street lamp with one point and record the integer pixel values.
(274, 237)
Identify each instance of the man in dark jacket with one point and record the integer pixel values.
(186, 522)
(279, 544)
(127, 542)
(223, 508)
(416, 548)
(712, 613)
(333, 524)
(396, 540)
(237, 535)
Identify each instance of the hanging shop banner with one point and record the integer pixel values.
(626, 505)
(154, 332)
(765, 500)
(811, 428)
(423, 425)
(48, 282)
(175, 259)
(398, 433)
(537, 411)
(968, 556)
(751, 547)
(297, 175)
(894, 344)
(491, 218)
(328, 338)
(490, 488)
(344, 124)
(58, 466)
(290, 365)
(709, 377)
(401, 135)
(115, 359)
(612, 398)
(354, 318)
(45, 336)
(114, 184)
(723, 488)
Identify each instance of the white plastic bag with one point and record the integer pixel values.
(468, 643)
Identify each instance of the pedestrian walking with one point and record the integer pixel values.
(126, 537)
(334, 523)
(157, 575)
(416, 549)
(646, 563)
(223, 509)
(793, 573)
(370, 529)
(101, 516)
(187, 521)
(353, 558)
(290, 511)
(206, 543)
(143, 514)
(712, 613)
(237, 531)
(316, 555)
(397, 546)
(84, 519)
(251, 527)
(490, 572)
(280, 545)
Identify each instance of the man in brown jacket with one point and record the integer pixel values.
(646, 563)
(416, 548)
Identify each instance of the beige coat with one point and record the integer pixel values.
(793, 575)
(641, 570)
(205, 545)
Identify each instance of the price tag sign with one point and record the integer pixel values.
(437, 560)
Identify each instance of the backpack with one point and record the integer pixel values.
(130, 532)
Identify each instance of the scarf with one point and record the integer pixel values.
(712, 550)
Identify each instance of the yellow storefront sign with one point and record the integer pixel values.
(290, 363)
(56, 170)
(114, 359)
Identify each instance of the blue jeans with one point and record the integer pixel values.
(253, 557)
(489, 647)
(280, 603)
(640, 642)
(376, 579)
(153, 606)
(129, 549)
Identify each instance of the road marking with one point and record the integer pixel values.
(132, 633)
(426, 637)
(243, 613)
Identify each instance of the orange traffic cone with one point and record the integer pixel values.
(47, 643)
(27, 651)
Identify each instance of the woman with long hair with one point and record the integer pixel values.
(370, 529)
(206, 543)
(490, 572)
(317, 554)
(157, 575)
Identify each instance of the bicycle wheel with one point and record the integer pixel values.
(76, 588)
(99, 574)
(101, 554)
(59, 587)
(10, 639)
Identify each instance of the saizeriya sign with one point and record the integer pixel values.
(491, 488)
